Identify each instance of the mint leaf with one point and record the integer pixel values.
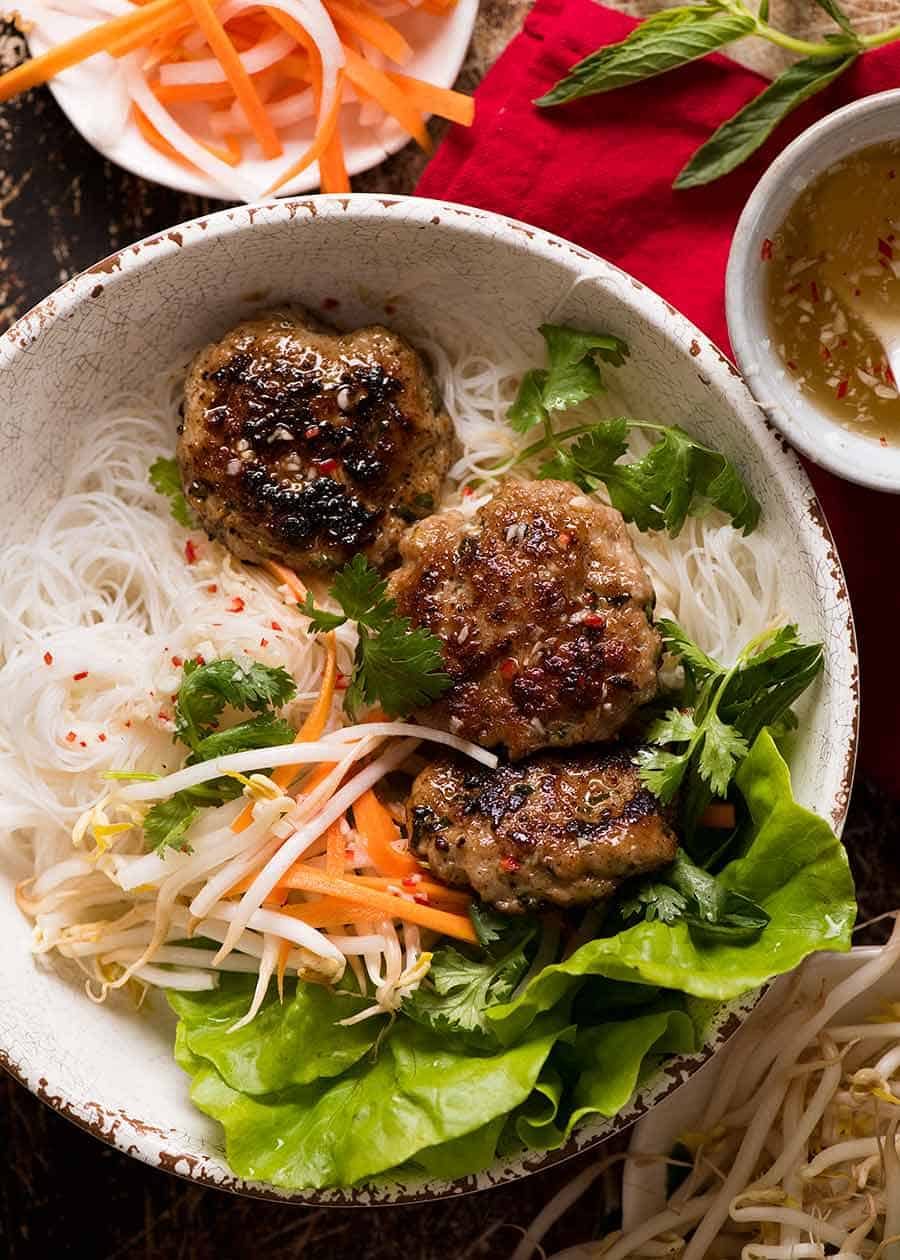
(165, 478)
(668, 39)
(743, 134)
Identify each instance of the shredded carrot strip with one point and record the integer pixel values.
(444, 102)
(177, 92)
(286, 577)
(371, 27)
(98, 39)
(380, 832)
(327, 128)
(308, 733)
(719, 814)
(435, 892)
(334, 850)
(240, 80)
(309, 880)
(370, 82)
(330, 912)
(234, 148)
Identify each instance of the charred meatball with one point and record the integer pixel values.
(544, 613)
(562, 828)
(305, 445)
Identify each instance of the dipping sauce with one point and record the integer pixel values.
(836, 257)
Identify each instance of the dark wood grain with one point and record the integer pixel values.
(62, 1193)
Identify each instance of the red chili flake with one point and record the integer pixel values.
(421, 899)
(326, 465)
(329, 304)
(792, 365)
(509, 668)
(163, 716)
(312, 432)
(410, 881)
(564, 539)
(212, 588)
(276, 625)
(102, 738)
(128, 723)
(467, 491)
(81, 674)
(842, 388)
(71, 737)
(509, 863)
(190, 551)
(885, 248)
(83, 743)
(264, 643)
(341, 683)
(595, 621)
(177, 661)
(814, 290)
(201, 660)
(48, 658)
(767, 250)
(825, 352)
(236, 605)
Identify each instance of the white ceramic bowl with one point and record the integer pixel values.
(414, 263)
(806, 426)
(644, 1184)
(92, 95)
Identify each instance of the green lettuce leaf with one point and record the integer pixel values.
(795, 869)
(420, 1093)
(291, 1044)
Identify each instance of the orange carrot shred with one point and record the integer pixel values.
(456, 106)
(244, 88)
(371, 27)
(370, 82)
(334, 850)
(380, 832)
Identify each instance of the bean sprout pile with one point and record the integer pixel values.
(104, 604)
(796, 1154)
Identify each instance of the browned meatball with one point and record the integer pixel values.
(544, 612)
(563, 828)
(305, 445)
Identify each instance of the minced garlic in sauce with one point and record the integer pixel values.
(836, 255)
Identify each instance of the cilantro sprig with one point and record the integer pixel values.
(165, 479)
(713, 913)
(696, 749)
(678, 477)
(396, 665)
(205, 693)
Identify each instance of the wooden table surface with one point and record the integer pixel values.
(63, 1193)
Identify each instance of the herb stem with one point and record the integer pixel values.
(806, 47)
(880, 38)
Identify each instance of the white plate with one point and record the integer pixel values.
(92, 97)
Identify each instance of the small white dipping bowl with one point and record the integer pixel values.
(810, 429)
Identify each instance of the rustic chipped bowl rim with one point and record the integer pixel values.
(844, 452)
(166, 1148)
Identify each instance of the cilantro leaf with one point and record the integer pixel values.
(712, 913)
(208, 689)
(459, 990)
(722, 749)
(399, 668)
(674, 727)
(662, 771)
(571, 377)
(262, 731)
(165, 478)
(654, 901)
(396, 665)
(167, 822)
(675, 640)
(528, 410)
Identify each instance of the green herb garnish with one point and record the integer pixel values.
(678, 477)
(699, 747)
(713, 913)
(396, 666)
(165, 479)
(677, 36)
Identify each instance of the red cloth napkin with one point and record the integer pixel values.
(599, 171)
